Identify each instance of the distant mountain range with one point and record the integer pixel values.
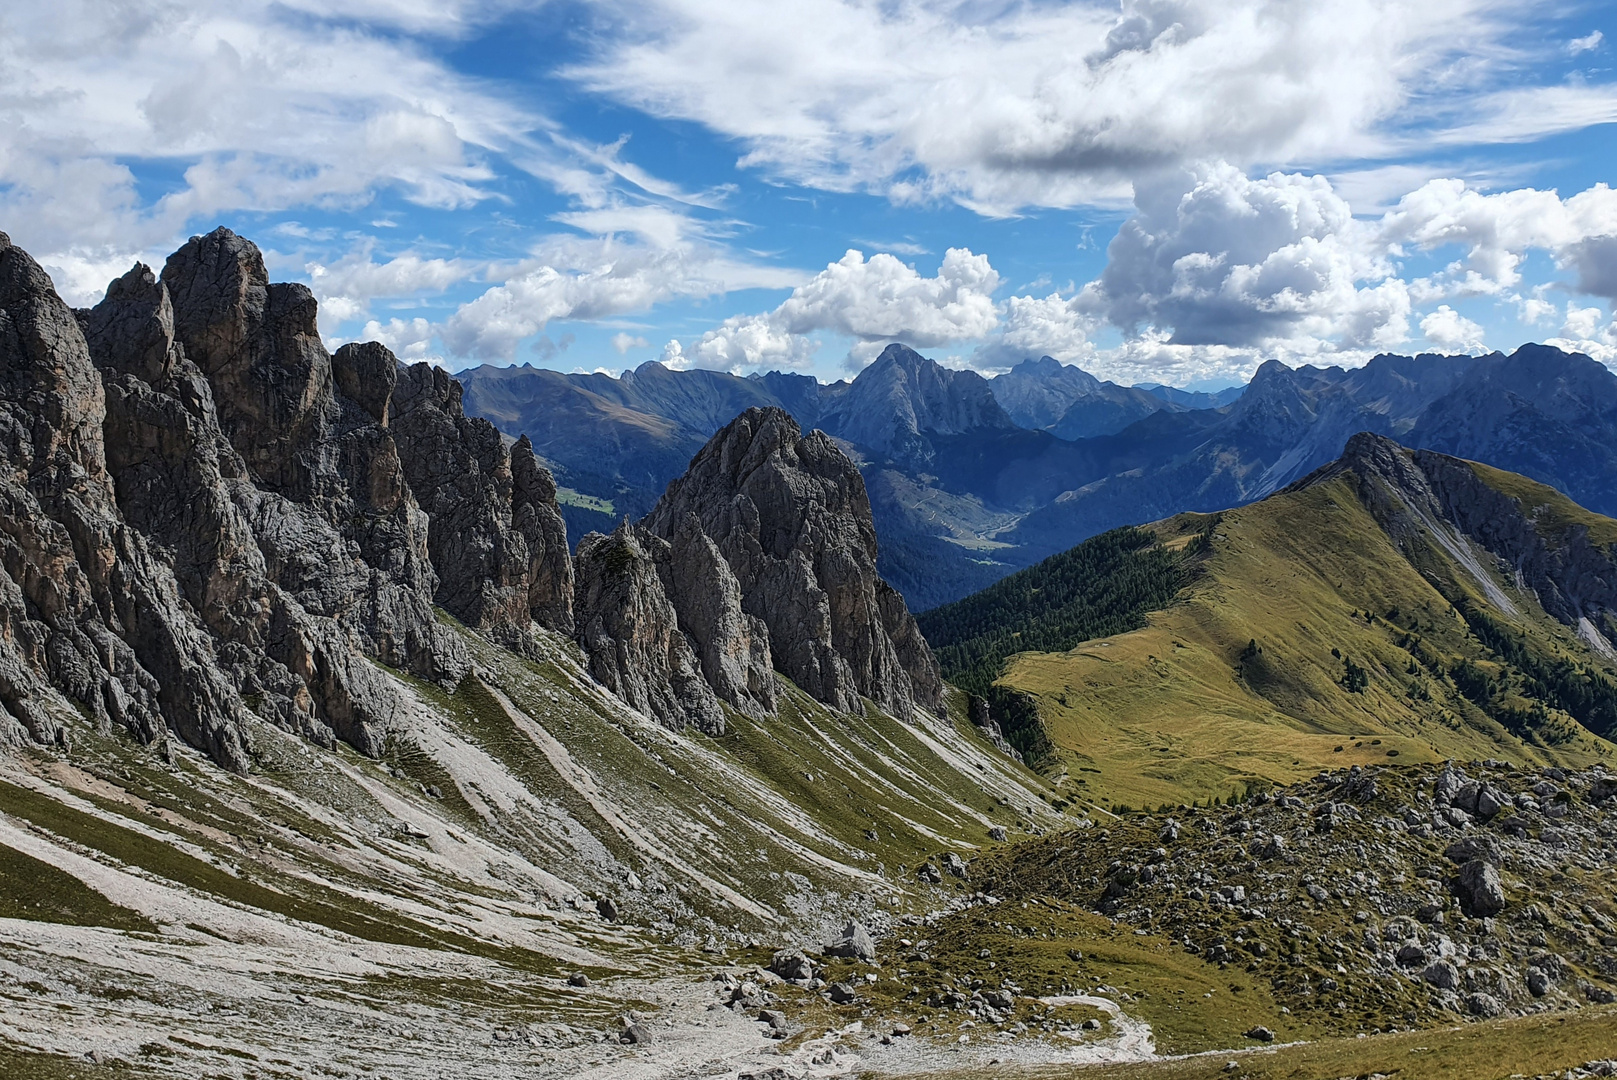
(972, 478)
(1070, 403)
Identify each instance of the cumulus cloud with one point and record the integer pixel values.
(1033, 326)
(1243, 262)
(1595, 260)
(1451, 331)
(1588, 330)
(872, 301)
(346, 286)
(410, 339)
(623, 342)
(1498, 230)
(985, 104)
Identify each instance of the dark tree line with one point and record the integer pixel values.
(1104, 586)
(1587, 694)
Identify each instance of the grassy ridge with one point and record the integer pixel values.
(1307, 639)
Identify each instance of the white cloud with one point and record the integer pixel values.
(1534, 310)
(1499, 230)
(623, 342)
(1241, 262)
(595, 279)
(1588, 330)
(872, 301)
(258, 110)
(410, 339)
(1582, 322)
(1033, 326)
(1005, 106)
(1587, 43)
(1448, 329)
(346, 287)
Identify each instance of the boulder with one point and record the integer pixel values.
(842, 994)
(855, 943)
(1480, 891)
(1411, 955)
(635, 1033)
(792, 965)
(1448, 783)
(1442, 975)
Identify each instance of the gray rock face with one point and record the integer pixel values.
(855, 943)
(629, 628)
(89, 613)
(1481, 893)
(789, 515)
(733, 646)
(497, 541)
(200, 508)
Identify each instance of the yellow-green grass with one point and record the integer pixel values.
(865, 791)
(31, 889)
(568, 497)
(1052, 949)
(1494, 1050)
(1172, 713)
(19, 1064)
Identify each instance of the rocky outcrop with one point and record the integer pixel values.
(205, 517)
(497, 541)
(630, 631)
(93, 618)
(789, 516)
(732, 645)
(1420, 494)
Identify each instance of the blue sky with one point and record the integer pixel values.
(1156, 190)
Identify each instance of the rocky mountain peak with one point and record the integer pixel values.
(1069, 402)
(789, 516)
(1431, 500)
(903, 397)
(214, 522)
(1048, 367)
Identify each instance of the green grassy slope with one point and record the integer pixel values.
(1307, 638)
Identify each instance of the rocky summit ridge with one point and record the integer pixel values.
(209, 517)
(762, 557)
